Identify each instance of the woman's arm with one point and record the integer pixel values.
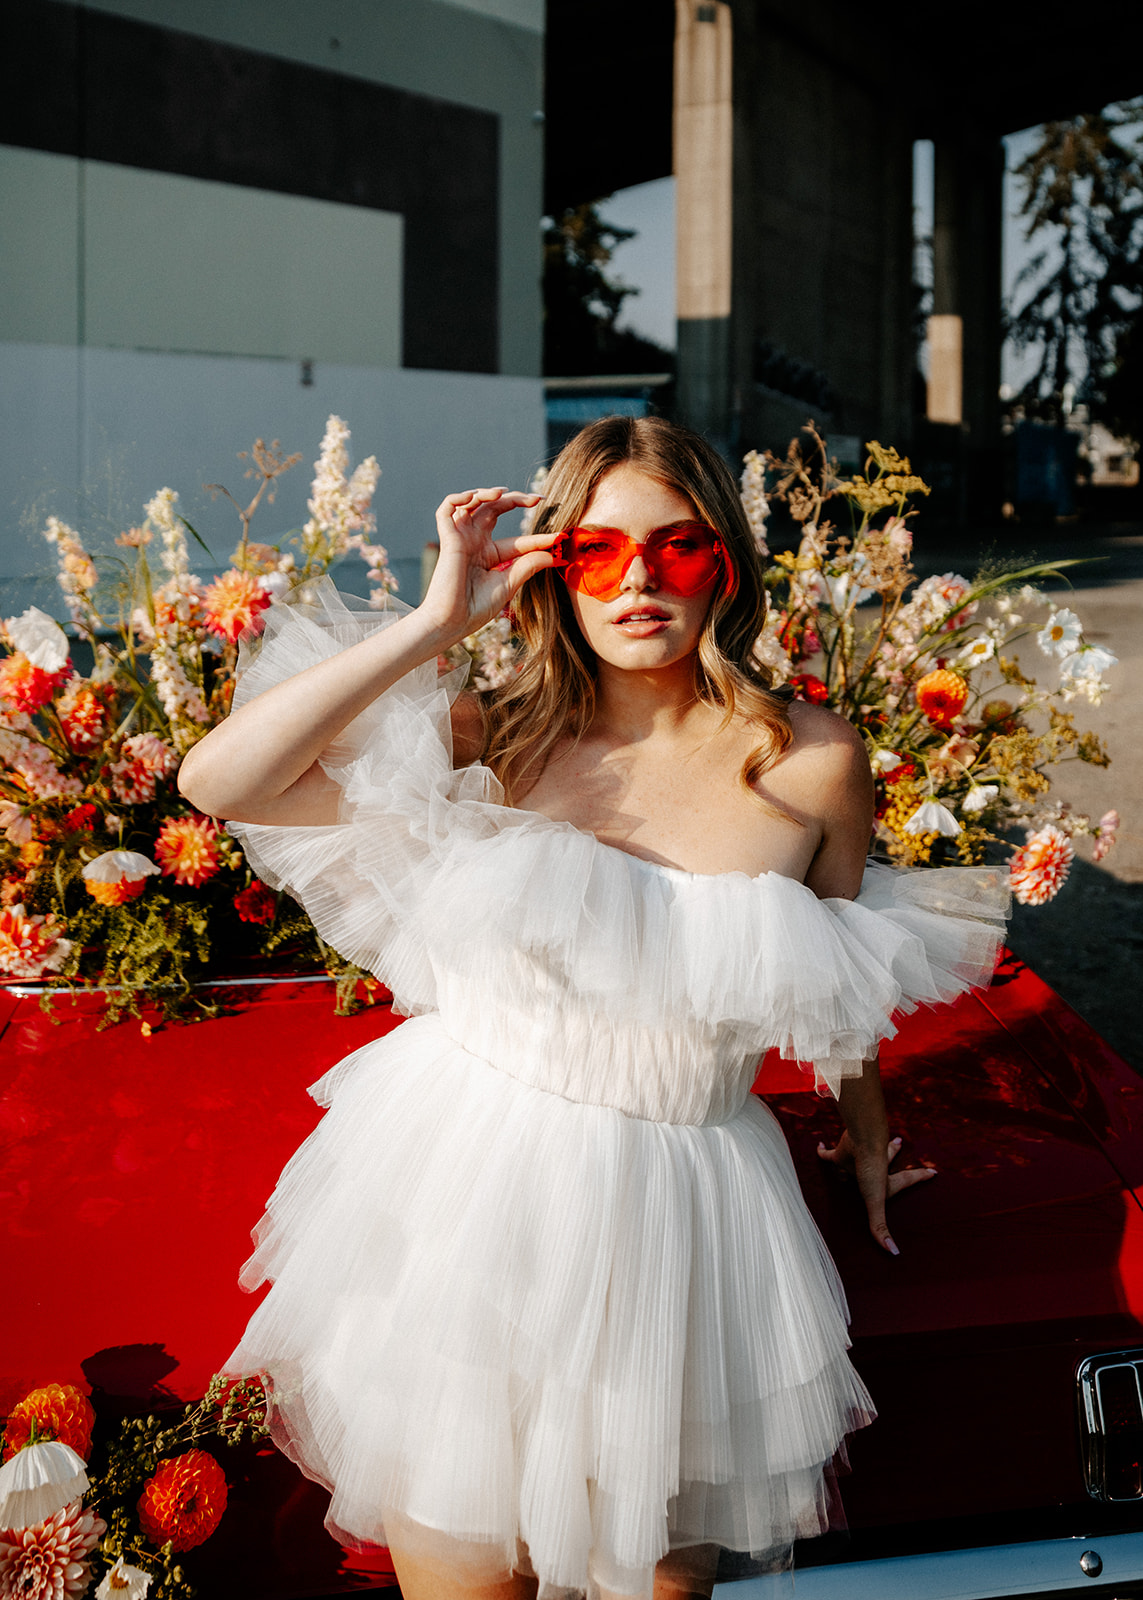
(261, 764)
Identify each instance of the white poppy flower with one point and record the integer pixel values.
(1089, 662)
(978, 798)
(932, 817)
(1061, 634)
(885, 760)
(115, 865)
(41, 639)
(38, 1481)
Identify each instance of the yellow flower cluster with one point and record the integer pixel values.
(913, 849)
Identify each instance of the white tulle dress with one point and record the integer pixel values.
(544, 1286)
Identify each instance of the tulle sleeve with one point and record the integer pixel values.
(363, 879)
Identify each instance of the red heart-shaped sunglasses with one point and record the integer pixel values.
(681, 558)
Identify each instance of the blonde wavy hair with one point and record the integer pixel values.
(552, 698)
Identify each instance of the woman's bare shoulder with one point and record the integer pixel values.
(469, 731)
(825, 741)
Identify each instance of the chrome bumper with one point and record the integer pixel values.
(1041, 1567)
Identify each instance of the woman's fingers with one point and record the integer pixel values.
(875, 1182)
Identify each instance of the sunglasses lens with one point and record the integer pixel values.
(681, 559)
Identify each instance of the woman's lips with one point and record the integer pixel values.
(643, 622)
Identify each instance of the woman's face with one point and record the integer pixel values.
(644, 627)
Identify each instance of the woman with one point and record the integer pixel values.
(549, 1312)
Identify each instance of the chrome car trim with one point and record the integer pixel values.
(1109, 1391)
(1042, 1567)
(23, 990)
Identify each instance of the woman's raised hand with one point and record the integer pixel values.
(471, 583)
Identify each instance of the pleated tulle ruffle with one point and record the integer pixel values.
(425, 854)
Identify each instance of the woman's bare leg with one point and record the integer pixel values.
(422, 1579)
(677, 1577)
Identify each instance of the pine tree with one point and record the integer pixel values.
(1083, 183)
(582, 303)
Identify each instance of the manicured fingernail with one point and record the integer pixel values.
(892, 1248)
(897, 1140)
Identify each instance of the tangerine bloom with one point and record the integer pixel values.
(187, 849)
(232, 603)
(117, 876)
(258, 903)
(30, 946)
(941, 695)
(184, 1500)
(57, 1411)
(25, 686)
(1040, 867)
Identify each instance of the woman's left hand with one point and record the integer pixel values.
(869, 1165)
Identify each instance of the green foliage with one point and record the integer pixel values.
(582, 302)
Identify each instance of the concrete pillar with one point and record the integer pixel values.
(965, 330)
(703, 164)
(966, 325)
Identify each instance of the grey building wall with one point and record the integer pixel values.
(201, 197)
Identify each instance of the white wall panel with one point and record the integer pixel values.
(181, 264)
(156, 419)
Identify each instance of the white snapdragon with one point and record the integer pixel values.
(164, 518)
(770, 652)
(754, 501)
(77, 575)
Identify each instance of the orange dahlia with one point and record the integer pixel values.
(57, 1411)
(183, 1502)
(232, 603)
(187, 849)
(1040, 867)
(941, 696)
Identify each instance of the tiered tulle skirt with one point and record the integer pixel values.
(504, 1318)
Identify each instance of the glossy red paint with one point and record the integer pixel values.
(133, 1167)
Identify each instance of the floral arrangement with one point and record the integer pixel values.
(152, 1494)
(959, 734)
(108, 878)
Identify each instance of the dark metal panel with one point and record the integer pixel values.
(90, 84)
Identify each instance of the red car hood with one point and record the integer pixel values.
(1022, 1257)
(132, 1168)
